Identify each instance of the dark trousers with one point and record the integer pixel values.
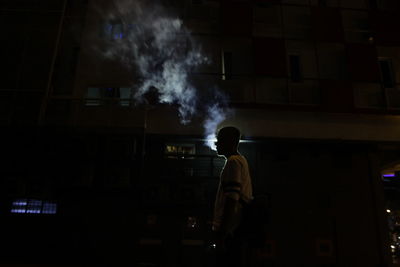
(233, 254)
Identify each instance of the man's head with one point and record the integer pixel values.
(228, 140)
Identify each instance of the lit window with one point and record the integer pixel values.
(33, 206)
(179, 150)
(113, 31)
(117, 30)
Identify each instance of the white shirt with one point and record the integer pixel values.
(235, 182)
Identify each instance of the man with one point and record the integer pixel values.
(234, 191)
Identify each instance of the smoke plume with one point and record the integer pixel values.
(160, 49)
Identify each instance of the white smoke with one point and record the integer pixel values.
(163, 53)
(215, 115)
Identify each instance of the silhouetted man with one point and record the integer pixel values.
(234, 191)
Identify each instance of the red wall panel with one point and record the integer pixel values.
(270, 57)
(237, 18)
(386, 28)
(337, 96)
(363, 62)
(327, 24)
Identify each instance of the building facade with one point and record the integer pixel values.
(91, 173)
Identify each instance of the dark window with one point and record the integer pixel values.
(386, 69)
(111, 92)
(93, 96)
(322, 3)
(295, 70)
(125, 95)
(96, 95)
(227, 63)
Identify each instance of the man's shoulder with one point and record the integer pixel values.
(237, 159)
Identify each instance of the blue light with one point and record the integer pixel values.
(389, 175)
(109, 29)
(33, 206)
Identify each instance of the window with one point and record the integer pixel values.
(356, 26)
(125, 96)
(110, 92)
(33, 206)
(96, 95)
(93, 97)
(180, 150)
(227, 65)
(386, 69)
(113, 30)
(295, 69)
(117, 30)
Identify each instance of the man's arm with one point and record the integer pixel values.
(231, 185)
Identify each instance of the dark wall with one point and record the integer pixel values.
(114, 201)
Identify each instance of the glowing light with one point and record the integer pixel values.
(389, 175)
(388, 211)
(392, 246)
(33, 206)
